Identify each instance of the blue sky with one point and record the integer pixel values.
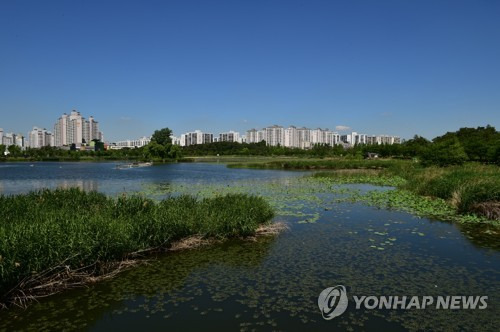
(380, 67)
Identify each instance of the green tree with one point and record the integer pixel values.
(479, 143)
(155, 150)
(162, 136)
(415, 146)
(174, 151)
(15, 151)
(444, 152)
(98, 145)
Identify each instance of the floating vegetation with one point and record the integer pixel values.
(303, 196)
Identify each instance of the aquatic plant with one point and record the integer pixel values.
(83, 231)
(337, 163)
(469, 188)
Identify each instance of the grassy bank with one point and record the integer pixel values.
(319, 164)
(47, 234)
(470, 188)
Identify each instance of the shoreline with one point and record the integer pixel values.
(56, 239)
(61, 278)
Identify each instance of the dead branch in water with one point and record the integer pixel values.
(62, 276)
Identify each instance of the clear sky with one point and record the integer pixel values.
(380, 67)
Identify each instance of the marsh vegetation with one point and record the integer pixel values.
(50, 239)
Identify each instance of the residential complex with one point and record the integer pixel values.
(383, 139)
(196, 137)
(305, 138)
(293, 137)
(39, 137)
(9, 139)
(75, 129)
(230, 136)
(134, 143)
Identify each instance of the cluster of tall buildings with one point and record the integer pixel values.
(68, 130)
(293, 137)
(9, 139)
(305, 138)
(75, 129)
(39, 137)
(199, 137)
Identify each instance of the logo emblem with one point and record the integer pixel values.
(332, 302)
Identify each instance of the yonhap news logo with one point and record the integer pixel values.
(333, 302)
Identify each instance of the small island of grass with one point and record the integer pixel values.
(55, 239)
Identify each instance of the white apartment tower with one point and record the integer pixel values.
(275, 135)
(196, 137)
(75, 129)
(40, 137)
(230, 136)
(291, 139)
(304, 138)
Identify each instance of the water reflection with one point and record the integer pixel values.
(18, 187)
(86, 185)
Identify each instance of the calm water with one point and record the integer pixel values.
(23, 177)
(271, 283)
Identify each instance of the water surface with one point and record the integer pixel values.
(270, 283)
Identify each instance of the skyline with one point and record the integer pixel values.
(391, 67)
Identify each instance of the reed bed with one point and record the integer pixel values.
(61, 237)
(472, 187)
(469, 188)
(331, 164)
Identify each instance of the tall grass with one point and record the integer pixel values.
(41, 229)
(465, 187)
(470, 188)
(331, 164)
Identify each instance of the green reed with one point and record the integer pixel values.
(42, 229)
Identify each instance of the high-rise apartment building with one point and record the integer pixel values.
(255, 136)
(354, 138)
(274, 135)
(304, 138)
(196, 137)
(19, 141)
(75, 129)
(383, 139)
(9, 139)
(293, 137)
(230, 136)
(39, 137)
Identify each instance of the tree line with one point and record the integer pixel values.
(481, 144)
